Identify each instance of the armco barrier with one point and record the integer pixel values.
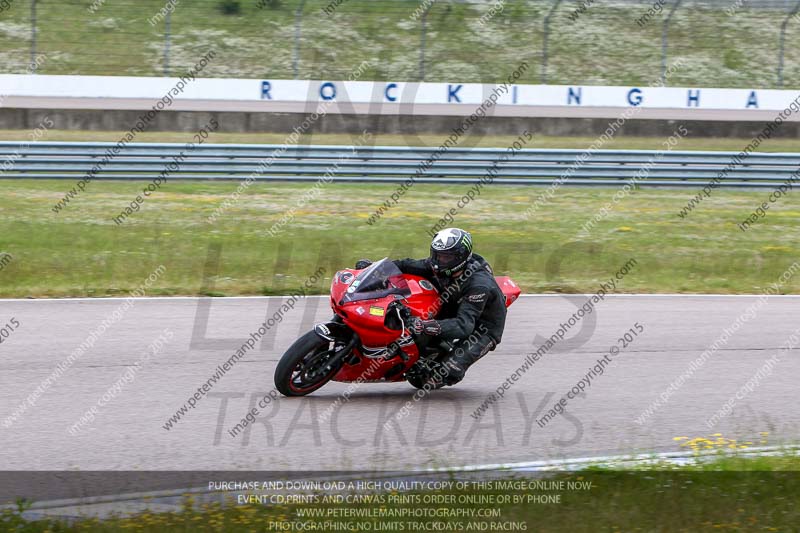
(141, 161)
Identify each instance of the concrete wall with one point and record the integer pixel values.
(250, 122)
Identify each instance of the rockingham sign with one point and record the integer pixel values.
(392, 97)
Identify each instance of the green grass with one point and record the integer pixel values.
(432, 140)
(82, 252)
(604, 46)
(760, 495)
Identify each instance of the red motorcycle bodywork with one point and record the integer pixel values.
(368, 319)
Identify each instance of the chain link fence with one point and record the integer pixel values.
(720, 43)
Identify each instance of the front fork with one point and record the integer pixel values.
(337, 332)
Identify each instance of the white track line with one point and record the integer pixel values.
(642, 459)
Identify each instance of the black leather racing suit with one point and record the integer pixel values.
(472, 313)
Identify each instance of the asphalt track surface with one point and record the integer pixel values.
(128, 432)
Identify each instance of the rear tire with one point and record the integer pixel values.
(303, 368)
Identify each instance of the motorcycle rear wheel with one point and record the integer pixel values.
(305, 366)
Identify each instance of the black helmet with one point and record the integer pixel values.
(451, 248)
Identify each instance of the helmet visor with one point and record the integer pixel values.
(445, 259)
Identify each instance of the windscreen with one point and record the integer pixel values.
(381, 279)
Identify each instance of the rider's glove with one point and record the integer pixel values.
(363, 263)
(426, 327)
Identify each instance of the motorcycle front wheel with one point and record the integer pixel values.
(307, 365)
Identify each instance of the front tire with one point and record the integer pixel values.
(305, 366)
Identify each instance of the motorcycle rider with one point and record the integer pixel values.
(472, 311)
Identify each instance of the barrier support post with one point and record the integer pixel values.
(298, 26)
(665, 42)
(545, 38)
(34, 65)
(782, 44)
(167, 40)
(422, 41)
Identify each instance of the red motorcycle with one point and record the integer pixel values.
(368, 339)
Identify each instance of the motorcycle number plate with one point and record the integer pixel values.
(375, 310)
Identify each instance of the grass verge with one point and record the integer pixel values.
(82, 252)
(619, 142)
(466, 41)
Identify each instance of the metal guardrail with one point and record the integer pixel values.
(141, 161)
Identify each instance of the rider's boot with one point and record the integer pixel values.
(465, 355)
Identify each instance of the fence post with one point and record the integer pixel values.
(167, 41)
(422, 41)
(781, 47)
(664, 41)
(298, 21)
(34, 64)
(545, 38)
